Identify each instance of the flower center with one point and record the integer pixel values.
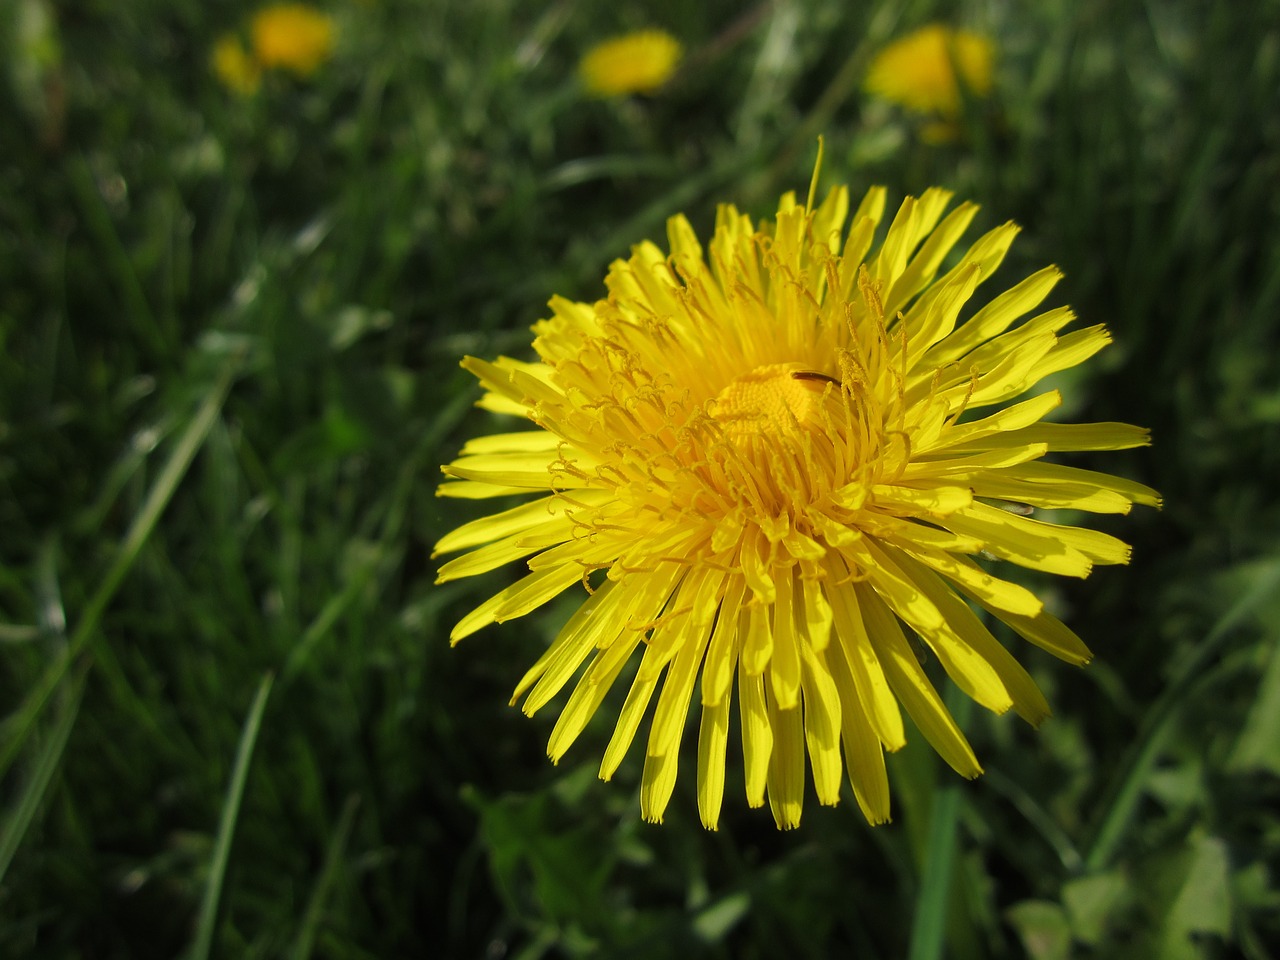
(773, 399)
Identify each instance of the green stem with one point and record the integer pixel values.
(207, 920)
(929, 926)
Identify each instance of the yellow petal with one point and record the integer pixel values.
(862, 747)
(1015, 539)
(722, 651)
(518, 599)
(628, 720)
(969, 631)
(524, 470)
(913, 687)
(469, 490)
(757, 735)
(937, 501)
(917, 606)
(873, 690)
(1083, 436)
(924, 265)
(784, 665)
(713, 737)
(499, 525)
(999, 593)
(589, 694)
(995, 317)
(785, 778)
(822, 712)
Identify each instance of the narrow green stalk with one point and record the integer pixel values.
(47, 763)
(207, 920)
(332, 859)
(929, 925)
(18, 727)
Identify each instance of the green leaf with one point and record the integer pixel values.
(1258, 747)
(1092, 903)
(1192, 893)
(713, 923)
(1043, 928)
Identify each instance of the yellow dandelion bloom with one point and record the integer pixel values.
(770, 458)
(919, 71)
(238, 71)
(634, 63)
(292, 36)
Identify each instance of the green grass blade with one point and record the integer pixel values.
(47, 763)
(929, 925)
(332, 859)
(208, 917)
(20, 725)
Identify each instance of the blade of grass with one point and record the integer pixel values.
(1121, 800)
(929, 925)
(333, 857)
(24, 811)
(1038, 817)
(208, 916)
(19, 726)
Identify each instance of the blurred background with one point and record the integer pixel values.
(242, 249)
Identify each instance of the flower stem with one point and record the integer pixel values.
(929, 926)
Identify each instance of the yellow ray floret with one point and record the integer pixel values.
(768, 459)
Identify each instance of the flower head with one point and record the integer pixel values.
(292, 36)
(923, 70)
(238, 71)
(763, 460)
(638, 62)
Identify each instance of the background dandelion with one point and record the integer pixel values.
(231, 326)
(927, 70)
(638, 62)
(292, 36)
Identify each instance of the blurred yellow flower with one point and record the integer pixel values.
(232, 64)
(919, 71)
(292, 36)
(638, 62)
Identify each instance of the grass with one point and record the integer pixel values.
(229, 333)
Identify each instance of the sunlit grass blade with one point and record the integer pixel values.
(42, 773)
(19, 726)
(208, 917)
(332, 861)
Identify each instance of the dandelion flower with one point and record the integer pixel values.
(238, 71)
(919, 71)
(638, 62)
(768, 460)
(292, 36)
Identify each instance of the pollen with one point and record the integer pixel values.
(777, 399)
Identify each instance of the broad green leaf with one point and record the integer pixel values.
(1092, 902)
(1043, 928)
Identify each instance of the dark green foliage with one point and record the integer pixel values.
(229, 334)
